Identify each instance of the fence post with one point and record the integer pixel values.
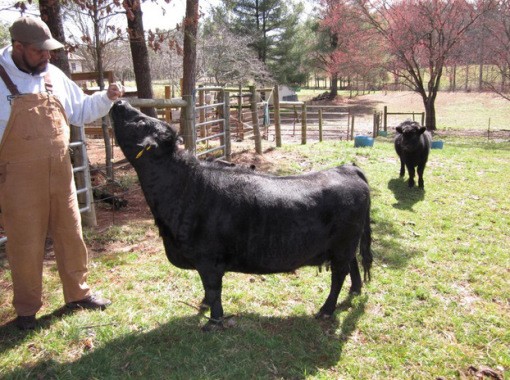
(303, 124)
(277, 123)
(220, 112)
(423, 118)
(226, 124)
(320, 124)
(240, 113)
(168, 111)
(348, 125)
(201, 117)
(376, 124)
(190, 140)
(352, 127)
(255, 120)
(385, 120)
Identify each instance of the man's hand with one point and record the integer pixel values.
(115, 91)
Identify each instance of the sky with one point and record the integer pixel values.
(162, 16)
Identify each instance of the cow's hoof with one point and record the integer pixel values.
(354, 291)
(203, 308)
(323, 316)
(212, 326)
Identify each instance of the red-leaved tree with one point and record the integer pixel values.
(351, 49)
(421, 36)
(498, 47)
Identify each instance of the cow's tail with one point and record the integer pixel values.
(365, 247)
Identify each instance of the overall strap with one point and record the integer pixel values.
(47, 83)
(8, 82)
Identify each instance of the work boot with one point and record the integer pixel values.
(91, 302)
(25, 322)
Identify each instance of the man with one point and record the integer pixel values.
(37, 192)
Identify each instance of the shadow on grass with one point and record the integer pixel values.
(11, 336)
(257, 346)
(406, 197)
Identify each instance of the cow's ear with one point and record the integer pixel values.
(422, 129)
(399, 129)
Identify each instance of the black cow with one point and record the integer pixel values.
(412, 144)
(215, 218)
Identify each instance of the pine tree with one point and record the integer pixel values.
(273, 26)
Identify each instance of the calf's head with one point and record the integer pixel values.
(136, 132)
(411, 134)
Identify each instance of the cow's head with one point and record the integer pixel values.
(411, 133)
(136, 132)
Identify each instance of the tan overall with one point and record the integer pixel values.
(38, 197)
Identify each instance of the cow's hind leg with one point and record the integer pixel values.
(338, 274)
(355, 277)
(212, 282)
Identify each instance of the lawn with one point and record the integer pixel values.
(454, 110)
(438, 305)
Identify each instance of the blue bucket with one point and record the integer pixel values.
(437, 145)
(363, 141)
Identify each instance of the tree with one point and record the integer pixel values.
(5, 37)
(498, 47)
(50, 13)
(227, 58)
(189, 63)
(341, 32)
(139, 53)
(421, 36)
(81, 31)
(272, 26)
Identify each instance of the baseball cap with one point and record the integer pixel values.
(34, 31)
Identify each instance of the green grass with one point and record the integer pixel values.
(438, 302)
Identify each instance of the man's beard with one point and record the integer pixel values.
(35, 69)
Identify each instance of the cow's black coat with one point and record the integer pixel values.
(412, 144)
(215, 218)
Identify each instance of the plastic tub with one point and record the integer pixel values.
(437, 145)
(363, 141)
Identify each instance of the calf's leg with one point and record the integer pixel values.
(355, 277)
(421, 168)
(402, 167)
(212, 282)
(341, 264)
(410, 169)
(339, 271)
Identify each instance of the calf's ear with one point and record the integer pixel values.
(399, 129)
(422, 129)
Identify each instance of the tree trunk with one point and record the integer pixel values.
(50, 14)
(430, 113)
(189, 60)
(466, 86)
(334, 86)
(454, 81)
(140, 55)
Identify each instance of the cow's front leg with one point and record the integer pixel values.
(421, 168)
(402, 167)
(212, 282)
(410, 169)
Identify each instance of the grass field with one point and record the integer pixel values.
(454, 110)
(438, 305)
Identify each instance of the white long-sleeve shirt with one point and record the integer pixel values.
(79, 107)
